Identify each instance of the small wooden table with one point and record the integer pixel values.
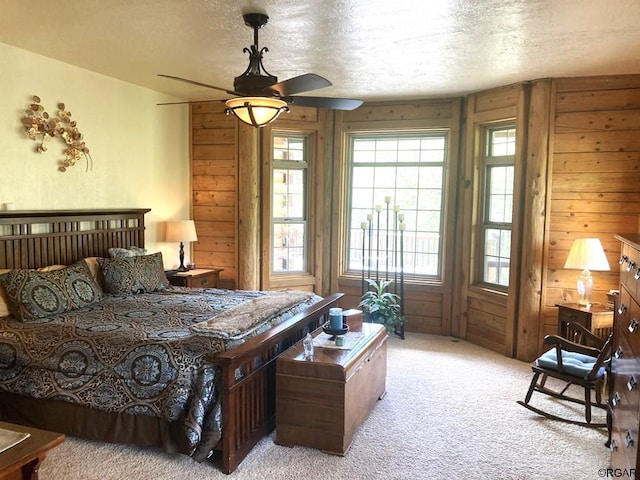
(596, 318)
(197, 278)
(22, 461)
(320, 402)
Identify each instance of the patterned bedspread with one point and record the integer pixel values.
(151, 354)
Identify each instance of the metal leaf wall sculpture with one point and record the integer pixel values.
(41, 127)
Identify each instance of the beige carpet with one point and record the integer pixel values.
(450, 412)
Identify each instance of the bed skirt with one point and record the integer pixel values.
(79, 421)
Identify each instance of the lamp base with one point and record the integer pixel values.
(182, 268)
(585, 287)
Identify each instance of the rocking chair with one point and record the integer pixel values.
(581, 359)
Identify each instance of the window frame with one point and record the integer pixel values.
(445, 135)
(487, 163)
(305, 167)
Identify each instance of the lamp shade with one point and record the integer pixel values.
(181, 231)
(256, 111)
(587, 254)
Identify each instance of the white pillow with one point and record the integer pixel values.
(117, 252)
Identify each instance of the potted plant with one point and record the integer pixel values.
(381, 306)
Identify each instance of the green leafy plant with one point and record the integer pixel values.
(381, 306)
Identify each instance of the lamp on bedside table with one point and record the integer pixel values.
(586, 254)
(181, 231)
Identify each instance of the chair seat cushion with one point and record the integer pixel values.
(573, 363)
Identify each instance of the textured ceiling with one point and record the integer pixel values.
(369, 49)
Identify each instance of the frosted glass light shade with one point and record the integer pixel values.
(256, 111)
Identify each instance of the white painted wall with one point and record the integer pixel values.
(140, 151)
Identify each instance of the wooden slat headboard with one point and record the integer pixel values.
(37, 238)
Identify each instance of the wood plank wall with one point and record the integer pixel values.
(214, 184)
(595, 178)
(427, 306)
(593, 136)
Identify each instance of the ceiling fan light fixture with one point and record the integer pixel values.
(256, 111)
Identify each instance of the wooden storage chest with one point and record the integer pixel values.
(320, 402)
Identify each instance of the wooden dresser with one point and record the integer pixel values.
(320, 402)
(624, 398)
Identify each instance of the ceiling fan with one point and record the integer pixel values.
(260, 97)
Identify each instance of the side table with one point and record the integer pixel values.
(596, 318)
(197, 278)
(22, 461)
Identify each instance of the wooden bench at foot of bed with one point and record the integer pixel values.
(248, 403)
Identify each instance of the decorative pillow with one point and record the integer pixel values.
(4, 300)
(116, 252)
(141, 274)
(35, 294)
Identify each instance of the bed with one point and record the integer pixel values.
(187, 370)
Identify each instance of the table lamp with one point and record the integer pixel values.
(181, 231)
(586, 254)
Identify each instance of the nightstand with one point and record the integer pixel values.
(597, 318)
(22, 461)
(198, 278)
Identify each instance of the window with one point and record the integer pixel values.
(289, 204)
(498, 205)
(395, 203)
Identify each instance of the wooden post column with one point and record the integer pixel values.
(248, 207)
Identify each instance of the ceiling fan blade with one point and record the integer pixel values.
(193, 82)
(301, 83)
(324, 102)
(189, 101)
